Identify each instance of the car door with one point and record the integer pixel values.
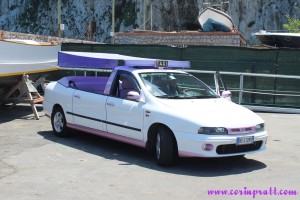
(219, 83)
(221, 86)
(124, 117)
(89, 109)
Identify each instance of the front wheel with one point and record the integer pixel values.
(58, 122)
(165, 147)
(239, 156)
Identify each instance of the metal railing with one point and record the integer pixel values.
(241, 90)
(85, 70)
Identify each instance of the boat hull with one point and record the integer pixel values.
(289, 40)
(212, 19)
(17, 58)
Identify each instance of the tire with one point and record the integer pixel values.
(239, 156)
(165, 147)
(58, 122)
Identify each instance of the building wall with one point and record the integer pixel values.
(187, 38)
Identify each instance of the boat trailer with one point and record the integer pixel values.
(25, 91)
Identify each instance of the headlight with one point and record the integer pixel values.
(260, 127)
(212, 130)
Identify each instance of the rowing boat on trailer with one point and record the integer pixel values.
(21, 62)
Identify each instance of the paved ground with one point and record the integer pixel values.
(34, 164)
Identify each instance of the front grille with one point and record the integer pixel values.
(233, 148)
(241, 130)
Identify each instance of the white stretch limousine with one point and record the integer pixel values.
(169, 112)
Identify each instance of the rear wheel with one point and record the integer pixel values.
(58, 122)
(165, 147)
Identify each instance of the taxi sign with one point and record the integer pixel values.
(162, 63)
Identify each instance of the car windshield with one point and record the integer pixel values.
(176, 86)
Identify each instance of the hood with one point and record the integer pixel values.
(213, 112)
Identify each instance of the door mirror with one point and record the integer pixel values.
(133, 95)
(227, 95)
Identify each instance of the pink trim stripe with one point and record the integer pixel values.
(242, 130)
(189, 154)
(112, 136)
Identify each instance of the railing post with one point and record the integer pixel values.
(241, 88)
(217, 84)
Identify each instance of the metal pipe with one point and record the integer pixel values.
(245, 74)
(217, 84)
(241, 88)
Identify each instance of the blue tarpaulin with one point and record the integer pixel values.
(72, 59)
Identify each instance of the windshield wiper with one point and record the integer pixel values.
(202, 97)
(170, 97)
(185, 97)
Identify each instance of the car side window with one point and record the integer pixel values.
(124, 83)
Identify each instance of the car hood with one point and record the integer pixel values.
(213, 112)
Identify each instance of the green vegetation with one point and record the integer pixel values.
(293, 25)
(29, 18)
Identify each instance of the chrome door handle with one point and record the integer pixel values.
(110, 104)
(77, 96)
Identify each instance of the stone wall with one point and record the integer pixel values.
(39, 38)
(186, 38)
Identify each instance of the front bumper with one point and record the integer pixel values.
(195, 145)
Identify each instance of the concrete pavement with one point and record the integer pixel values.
(34, 164)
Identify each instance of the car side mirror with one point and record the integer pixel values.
(226, 95)
(133, 95)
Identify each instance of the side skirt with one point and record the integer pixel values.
(112, 136)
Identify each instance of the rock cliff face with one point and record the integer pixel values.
(40, 17)
(252, 16)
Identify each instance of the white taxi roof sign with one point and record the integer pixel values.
(162, 63)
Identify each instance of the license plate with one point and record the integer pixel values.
(245, 140)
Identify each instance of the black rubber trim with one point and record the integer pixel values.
(103, 121)
(82, 116)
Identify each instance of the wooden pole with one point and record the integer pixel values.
(144, 19)
(59, 17)
(113, 22)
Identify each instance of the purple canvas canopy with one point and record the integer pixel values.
(73, 59)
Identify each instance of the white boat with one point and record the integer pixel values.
(212, 19)
(279, 39)
(18, 57)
